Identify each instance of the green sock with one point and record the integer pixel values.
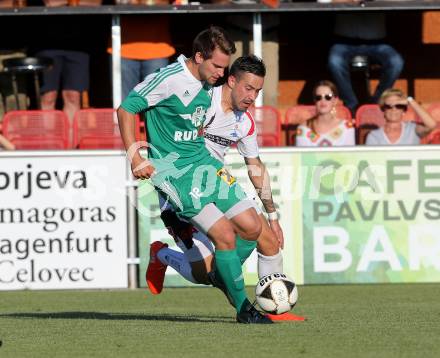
(229, 268)
(244, 248)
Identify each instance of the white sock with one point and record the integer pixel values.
(177, 261)
(269, 264)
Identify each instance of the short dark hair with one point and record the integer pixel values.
(249, 64)
(210, 39)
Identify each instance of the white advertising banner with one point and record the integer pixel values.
(63, 221)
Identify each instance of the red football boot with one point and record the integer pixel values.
(285, 317)
(155, 274)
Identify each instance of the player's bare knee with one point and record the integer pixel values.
(252, 232)
(249, 227)
(225, 240)
(268, 245)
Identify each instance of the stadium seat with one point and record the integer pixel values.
(434, 111)
(434, 136)
(98, 128)
(101, 142)
(37, 129)
(300, 113)
(370, 116)
(268, 122)
(268, 140)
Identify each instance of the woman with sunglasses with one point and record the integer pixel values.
(325, 129)
(396, 131)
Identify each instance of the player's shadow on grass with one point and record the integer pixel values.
(115, 316)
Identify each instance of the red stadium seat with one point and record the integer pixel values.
(434, 136)
(98, 129)
(301, 113)
(37, 129)
(101, 142)
(434, 111)
(268, 140)
(37, 143)
(268, 122)
(370, 116)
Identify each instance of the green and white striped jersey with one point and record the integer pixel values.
(174, 103)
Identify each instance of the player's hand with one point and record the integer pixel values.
(276, 228)
(142, 169)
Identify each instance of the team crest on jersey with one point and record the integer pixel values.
(197, 117)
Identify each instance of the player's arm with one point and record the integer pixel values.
(260, 179)
(141, 167)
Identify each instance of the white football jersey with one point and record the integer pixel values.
(221, 130)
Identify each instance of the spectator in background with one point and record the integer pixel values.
(6, 144)
(325, 129)
(145, 47)
(69, 75)
(394, 104)
(362, 34)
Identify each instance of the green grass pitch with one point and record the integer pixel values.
(400, 320)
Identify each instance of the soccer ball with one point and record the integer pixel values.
(276, 293)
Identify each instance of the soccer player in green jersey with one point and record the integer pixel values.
(175, 99)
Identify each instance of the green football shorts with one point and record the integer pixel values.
(202, 183)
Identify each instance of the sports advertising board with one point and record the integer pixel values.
(348, 216)
(63, 222)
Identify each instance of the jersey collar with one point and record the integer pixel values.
(182, 60)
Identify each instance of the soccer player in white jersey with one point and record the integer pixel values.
(227, 122)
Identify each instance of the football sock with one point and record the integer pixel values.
(269, 264)
(244, 248)
(177, 261)
(229, 268)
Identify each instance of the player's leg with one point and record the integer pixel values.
(247, 225)
(218, 228)
(270, 258)
(227, 262)
(197, 253)
(193, 263)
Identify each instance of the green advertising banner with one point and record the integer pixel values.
(371, 216)
(348, 216)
